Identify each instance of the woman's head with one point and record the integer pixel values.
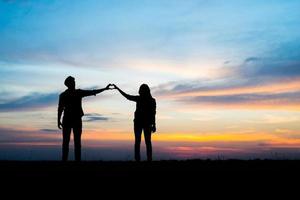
(144, 91)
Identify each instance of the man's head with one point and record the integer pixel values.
(70, 82)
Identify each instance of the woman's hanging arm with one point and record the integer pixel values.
(154, 117)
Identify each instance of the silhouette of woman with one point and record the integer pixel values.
(144, 118)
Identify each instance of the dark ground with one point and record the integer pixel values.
(198, 176)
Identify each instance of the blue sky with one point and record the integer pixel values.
(210, 64)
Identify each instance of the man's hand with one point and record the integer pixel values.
(153, 128)
(59, 125)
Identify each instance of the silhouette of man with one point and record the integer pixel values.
(70, 103)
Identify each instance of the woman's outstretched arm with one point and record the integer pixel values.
(127, 96)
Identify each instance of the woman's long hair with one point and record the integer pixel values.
(144, 91)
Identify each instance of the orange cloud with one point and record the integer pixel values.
(274, 88)
(281, 95)
(262, 105)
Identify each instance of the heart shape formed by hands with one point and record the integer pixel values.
(111, 86)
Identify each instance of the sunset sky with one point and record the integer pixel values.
(225, 75)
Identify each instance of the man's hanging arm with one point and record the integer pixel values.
(60, 110)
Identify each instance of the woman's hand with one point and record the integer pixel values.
(59, 125)
(115, 87)
(153, 128)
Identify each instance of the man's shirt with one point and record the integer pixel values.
(70, 101)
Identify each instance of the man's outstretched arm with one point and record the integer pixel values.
(94, 92)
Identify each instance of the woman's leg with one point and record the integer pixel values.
(137, 134)
(147, 135)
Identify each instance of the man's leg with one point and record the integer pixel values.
(147, 135)
(77, 140)
(137, 144)
(66, 140)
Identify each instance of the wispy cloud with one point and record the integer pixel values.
(11, 135)
(251, 59)
(91, 117)
(276, 119)
(256, 83)
(29, 102)
(249, 98)
(227, 87)
(47, 130)
(269, 68)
